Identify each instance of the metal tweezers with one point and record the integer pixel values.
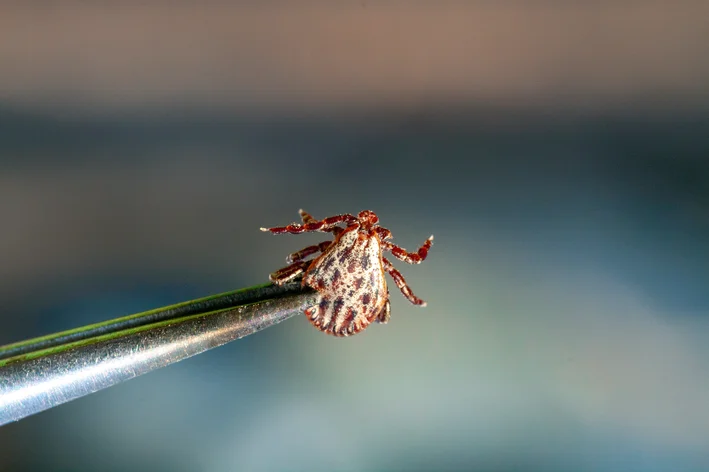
(40, 373)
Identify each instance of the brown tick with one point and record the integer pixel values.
(349, 274)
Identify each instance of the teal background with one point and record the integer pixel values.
(558, 153)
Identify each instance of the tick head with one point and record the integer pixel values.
(367, 218)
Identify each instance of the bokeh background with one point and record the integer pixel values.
(557, 150)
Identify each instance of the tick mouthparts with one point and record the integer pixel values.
(263, 229)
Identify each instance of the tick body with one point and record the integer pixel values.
(349, 273)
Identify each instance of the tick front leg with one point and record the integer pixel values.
(401, 283)
(410, 257)
(308, 218)
(307, 251)
(288, 273)
(324, 226)
(383, 233)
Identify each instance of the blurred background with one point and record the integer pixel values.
(557, 150)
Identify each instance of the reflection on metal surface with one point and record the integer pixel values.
(30, 385)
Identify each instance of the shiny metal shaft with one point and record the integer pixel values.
(30, 384)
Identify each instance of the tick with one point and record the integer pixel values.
(349, 272)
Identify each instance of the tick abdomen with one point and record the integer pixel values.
(350, 279)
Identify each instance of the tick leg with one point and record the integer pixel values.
(401, 283)
(288, 273)
(305, 252)
(385, 314)
(383, 233)
(308, 218)
(410, 257)
(324, 226)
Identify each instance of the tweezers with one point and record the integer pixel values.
(41, 373)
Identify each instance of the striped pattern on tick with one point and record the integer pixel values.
(349, 272)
